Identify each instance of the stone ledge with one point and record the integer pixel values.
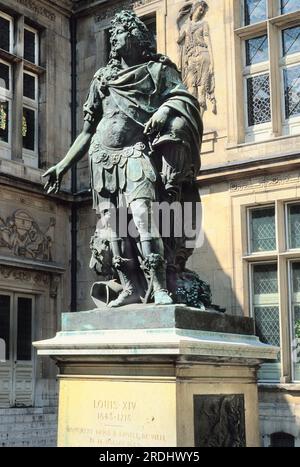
(159, 344)
(156, 317)
(34, 265)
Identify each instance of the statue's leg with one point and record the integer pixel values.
(129, 294)
(175, 165)
(201, 91)
(173, 169)
(152, 249)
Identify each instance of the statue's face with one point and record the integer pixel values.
(121, 40)
(199, 12)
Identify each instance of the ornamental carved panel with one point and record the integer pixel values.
(21, 235)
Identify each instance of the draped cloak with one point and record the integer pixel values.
(138, 92)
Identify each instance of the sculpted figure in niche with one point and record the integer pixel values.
(143, 131)
(196, 56)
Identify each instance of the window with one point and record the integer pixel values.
(290, 66)
(257, 84)
(30, 111)
(262, 229)
(150, 22)
(31, 50)
(288, 6)
(254, 11)
(293, 237)
(5, 322)
(273, 243)
(282, 440)
(16, 329)
(5, 107)
(6, 32)
(295, 318)
(265, 301)
(19, 92)
(265, 311)
(270, 43)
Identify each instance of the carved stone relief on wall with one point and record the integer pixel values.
(21, 234)
(122, 5)
(38, 9)
(110, 12)
(24, 275)
(264, 182)
(196, 60)
(33, 278)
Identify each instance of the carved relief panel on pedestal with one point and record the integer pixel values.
(219, 420)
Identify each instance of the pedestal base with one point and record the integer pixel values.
(144, 378)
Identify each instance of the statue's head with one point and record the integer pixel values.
(129, 33)
(199, 9)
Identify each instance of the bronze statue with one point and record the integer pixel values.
(143, 131)
(196, 56)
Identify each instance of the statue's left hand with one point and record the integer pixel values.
(157, 121)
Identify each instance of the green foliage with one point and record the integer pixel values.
(297, 329)
(192, 291)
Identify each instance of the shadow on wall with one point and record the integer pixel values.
(205, 263)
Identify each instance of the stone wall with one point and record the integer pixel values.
(30, 427)
(35, 231)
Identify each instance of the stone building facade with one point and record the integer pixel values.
(248, 52)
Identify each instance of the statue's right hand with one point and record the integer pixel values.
(55, 175)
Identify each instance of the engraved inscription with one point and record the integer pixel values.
(39, 9)
(109, 13)
(115, 419)
(112, 423)
(264, 182)
(114, 411)
(219, 420)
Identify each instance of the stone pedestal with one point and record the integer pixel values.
(157, 376)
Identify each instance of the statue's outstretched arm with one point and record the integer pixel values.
(75, 153)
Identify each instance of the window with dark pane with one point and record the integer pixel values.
(282, 440)
(107, 44)
(291, 40)
(24, 329)
(258, 93)
(29, 46)
(255, 11)
(291, 80)
(4, 76)
(29, 86)
(4, 34)
(288, 6)
(262, 229)
(265, 279)
(295, 320)
(294, 226)
(4, 120)
(150, 22)
(5, 322)
(28, 129)
(265, 301)
(257, 50)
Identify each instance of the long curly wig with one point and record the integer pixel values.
(127, 20)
